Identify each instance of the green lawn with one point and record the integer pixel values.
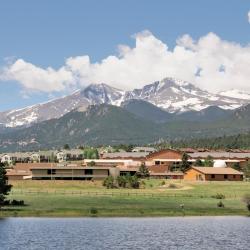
(81, 198)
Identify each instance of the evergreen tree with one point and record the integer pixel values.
(209, 162)
(199, 163)
(143, 171)
(236, 166)
(4, 186)
(184, 162)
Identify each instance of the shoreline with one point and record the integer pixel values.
(113, 214)
(126, 217)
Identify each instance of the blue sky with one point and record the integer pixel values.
(46, 33)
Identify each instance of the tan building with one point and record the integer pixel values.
(21, 171)
(212, 174)
(79, 171)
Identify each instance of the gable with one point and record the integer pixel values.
(165, 154)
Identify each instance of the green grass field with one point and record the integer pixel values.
(86, 198)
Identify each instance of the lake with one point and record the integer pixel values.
(125, 233)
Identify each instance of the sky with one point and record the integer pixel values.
(51, 48)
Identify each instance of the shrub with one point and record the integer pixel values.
(163, 183)
(172, 185)
(109, 182)
(220, 204)
(93, 211)
(219, 196)
(133, 181)
(17, 203)
(121, 181)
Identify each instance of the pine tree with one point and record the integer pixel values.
(4, 186)
(143, 171)
(184, 163)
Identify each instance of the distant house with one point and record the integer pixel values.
(11, 158)
(212, 174)
(144, 149)
(34, 157)
(6, 158)
(126, 155)
(69, 155)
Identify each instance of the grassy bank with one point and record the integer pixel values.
(78, 198)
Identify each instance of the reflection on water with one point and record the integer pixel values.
(125, 233)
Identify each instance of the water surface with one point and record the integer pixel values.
(125, 233)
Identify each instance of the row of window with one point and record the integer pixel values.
(53, 171)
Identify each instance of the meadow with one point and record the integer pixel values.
(154, 198)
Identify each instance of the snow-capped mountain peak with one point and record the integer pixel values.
(170, 94)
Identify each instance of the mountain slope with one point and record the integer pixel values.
(106, 124)
(146, 110)
(170, 94)
(209, 114)
(99, 124)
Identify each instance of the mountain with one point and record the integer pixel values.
(109, 125)
(99, 124)
(147, 111)
(171, 95)
(93, 94)
(175, 95)
(209, 114)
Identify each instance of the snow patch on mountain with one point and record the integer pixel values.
(235, 93)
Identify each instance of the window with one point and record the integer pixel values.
(212, 176)
(88, 171)
(225, 176)
(234, 176)
(51, 171)
(157, 162)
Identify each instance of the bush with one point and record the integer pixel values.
(17, 203)
(121, 181)
(93, 211)
(172, 185)
(109, 182)
(220, 204)
(127, 181)
(219, 196)
(163, 183)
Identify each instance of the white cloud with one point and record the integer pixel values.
(221, 64)
(248, 15)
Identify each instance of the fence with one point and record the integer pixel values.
(121, 194)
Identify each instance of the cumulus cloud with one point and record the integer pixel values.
(209, 62)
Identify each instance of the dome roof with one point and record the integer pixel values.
(219, 164)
